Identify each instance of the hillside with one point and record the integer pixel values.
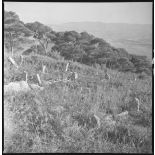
(88, 49)
(135, 38)
(106, 108)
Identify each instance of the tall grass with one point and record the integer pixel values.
(59, 118)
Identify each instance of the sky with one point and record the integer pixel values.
(57, 13)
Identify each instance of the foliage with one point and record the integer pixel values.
(12, 23)
(37, 26)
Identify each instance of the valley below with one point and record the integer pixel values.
(135, 38)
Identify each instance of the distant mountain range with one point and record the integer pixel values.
(135, 38)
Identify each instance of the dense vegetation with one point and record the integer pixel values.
(13, 24)
(84, 48)
(60, 118)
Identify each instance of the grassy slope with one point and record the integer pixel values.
(39, 127)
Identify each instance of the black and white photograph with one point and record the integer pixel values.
(77, 77)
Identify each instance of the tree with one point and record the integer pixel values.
(121, 52)
(141, 63)
(51, 36)
(13, 23)
(112, 63)
(12, 36)
(39, 27)
(78, 53)
(68, 36)
(96, 40)
(11, 41)
(44, 40)
(13, 28)
(10, 15)
(125, 65)
(86, 36)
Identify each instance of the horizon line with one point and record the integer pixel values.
(101, 22)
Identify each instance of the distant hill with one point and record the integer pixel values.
(136, 38)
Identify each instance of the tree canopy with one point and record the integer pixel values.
(82, 47)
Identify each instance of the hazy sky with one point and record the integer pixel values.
(53, 13)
